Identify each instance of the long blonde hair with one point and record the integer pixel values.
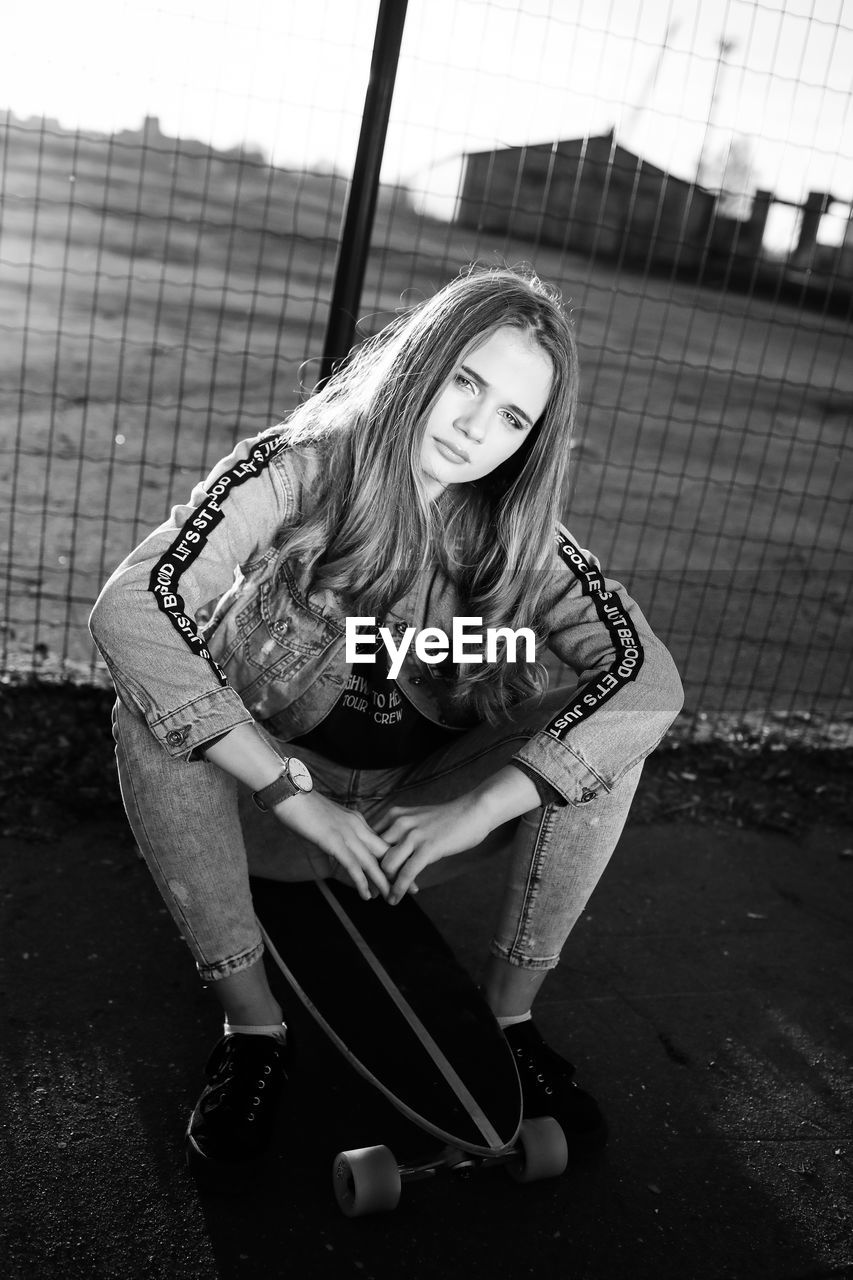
(373, 527)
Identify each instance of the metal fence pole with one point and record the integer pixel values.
(361, 205)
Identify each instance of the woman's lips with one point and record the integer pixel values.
(448, 451)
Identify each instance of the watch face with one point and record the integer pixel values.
(299, 774)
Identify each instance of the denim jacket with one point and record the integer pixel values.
(206, 625)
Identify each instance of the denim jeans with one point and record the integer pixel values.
(201, 836)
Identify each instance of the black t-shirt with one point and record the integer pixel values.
(373, 725)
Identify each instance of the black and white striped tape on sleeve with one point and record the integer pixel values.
(628, 650)
(191, 540)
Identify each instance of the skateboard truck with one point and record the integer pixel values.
(369, 1179)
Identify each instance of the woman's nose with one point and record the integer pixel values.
(471, 422)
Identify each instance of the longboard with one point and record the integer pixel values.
(386, 989)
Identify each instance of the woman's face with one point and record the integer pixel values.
(486, 410)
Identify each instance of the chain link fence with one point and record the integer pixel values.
(679, 171)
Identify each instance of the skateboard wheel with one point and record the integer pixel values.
(366, 1181)
(542, 1150)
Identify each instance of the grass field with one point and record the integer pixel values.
(157, 305)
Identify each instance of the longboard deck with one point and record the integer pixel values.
(389, 993)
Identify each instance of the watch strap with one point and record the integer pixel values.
(281, 789)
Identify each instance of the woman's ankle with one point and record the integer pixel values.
(510, 990)
(246, 998)
(240, 1015)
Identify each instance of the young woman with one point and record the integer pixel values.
(421, 486)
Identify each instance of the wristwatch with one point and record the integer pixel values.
(293, 780)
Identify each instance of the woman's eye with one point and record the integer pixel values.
(513, 421)
(463, 381)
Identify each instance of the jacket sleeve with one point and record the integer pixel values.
(144, 621)
(628, 691)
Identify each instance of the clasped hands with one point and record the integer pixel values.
(418, 835)
(387, 855)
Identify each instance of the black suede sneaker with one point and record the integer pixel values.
(231, 1126)
(549, 1089)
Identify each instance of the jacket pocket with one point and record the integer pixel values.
(277, 637)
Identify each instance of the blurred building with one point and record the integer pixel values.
(596, 197)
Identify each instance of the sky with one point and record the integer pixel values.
(678, 80)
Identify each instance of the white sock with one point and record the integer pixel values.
(512, 1019)
(277, 1029)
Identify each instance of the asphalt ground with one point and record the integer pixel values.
(704, 997)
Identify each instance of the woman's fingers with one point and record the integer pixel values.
(376, 875)
(405, 881)
(375, 843)
(403, 864)
(394, 822)
(394, 834)
(381, 824)
(399, 853)
(363, 869)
